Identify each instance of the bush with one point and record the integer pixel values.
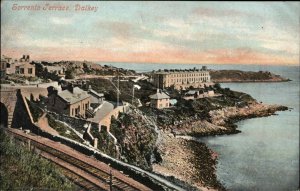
(22, 169)
(70, 73)
(35, 111)
(61, 128)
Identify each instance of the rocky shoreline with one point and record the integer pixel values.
(250, 81)
(238, 76)
(191, 161)
(222, 121)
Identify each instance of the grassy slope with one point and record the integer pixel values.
(22, 169)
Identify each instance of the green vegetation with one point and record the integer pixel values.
(43, 73)
(4, 81)
(237, 75)
(137, 140)
(62, 129)
(110, 92)
(70, 73)
(198, 108)
(21, 169)
(35, 111)
(105, 143)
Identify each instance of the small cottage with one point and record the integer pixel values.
(159, 100)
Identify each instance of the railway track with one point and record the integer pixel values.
(86, 173)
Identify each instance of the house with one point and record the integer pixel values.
(3, 68)
(5, 62)
(25, 69)
(21, 67)
(159, 100)
(73, 102)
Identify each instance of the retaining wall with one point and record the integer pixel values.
(74, 122)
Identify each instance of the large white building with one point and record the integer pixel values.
(181, 79)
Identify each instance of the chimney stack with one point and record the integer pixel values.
(51, 90)
(70, 88)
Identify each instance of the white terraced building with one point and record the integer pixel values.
(181, 79)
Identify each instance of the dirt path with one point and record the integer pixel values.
(44, 125)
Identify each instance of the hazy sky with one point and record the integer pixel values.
(161, 32)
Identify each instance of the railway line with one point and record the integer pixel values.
(87, 172)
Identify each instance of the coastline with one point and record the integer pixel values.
(186, 158)
(252, 81)
(189, 161)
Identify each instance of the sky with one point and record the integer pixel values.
(153, 32)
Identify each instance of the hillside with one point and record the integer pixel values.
(244, 76)
(22, 169)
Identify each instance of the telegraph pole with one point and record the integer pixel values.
(118, 88)
(110, 181)
(132, 95)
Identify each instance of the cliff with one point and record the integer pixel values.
(137, 139)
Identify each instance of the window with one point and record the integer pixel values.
(21, 70)
(7, 65)
(29, 70)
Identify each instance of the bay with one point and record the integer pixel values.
(265, 155)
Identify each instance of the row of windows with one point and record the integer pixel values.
(188, 80)
(22, 70)
(188, 75)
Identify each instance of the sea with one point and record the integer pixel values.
(265, 155)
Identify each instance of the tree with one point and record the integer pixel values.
(70, 73)
(217, 86)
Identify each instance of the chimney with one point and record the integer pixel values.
(51, 90)
(70, 88)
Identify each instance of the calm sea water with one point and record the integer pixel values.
(265, 155)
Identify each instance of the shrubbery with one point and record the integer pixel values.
(21, 169)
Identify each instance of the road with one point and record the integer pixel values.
(104, 110)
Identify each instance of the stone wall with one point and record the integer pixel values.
(106, 121)
(9, 98)
(74, 122)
